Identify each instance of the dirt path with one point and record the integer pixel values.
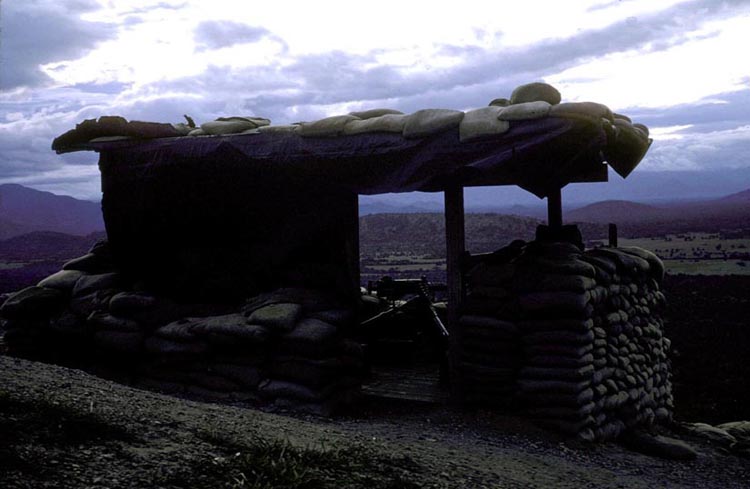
(122, 437)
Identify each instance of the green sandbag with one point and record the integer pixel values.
(430, 121)
(64, 280)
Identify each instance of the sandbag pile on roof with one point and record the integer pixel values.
(590, 359)
(626, 142)
(287, 349)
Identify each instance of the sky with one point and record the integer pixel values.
(679, 66)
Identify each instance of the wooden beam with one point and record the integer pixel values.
(455, 244)
(352, 243)
(554, 208)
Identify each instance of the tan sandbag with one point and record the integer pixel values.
(32, 302)
(119, 341)
(182, 128)
(480, 123)
(100, 321)
(290, 128)
(533, 92)
(281, 316)
(372, 113)
(258, 121)
(499, 102)
(385, 123)
(325, 128)
(525, 111)
(488, 323)
(91, 283)
(109, 139)
(64, 280)
(197, 132)
(590, 111)
(227, 126)
(430, 121)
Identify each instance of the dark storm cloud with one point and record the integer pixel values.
(35, 33)
(215, 34)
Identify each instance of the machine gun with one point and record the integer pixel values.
(406, 296)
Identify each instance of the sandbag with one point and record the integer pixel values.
(525, 111)
(32, 302)
(64, 280)
(279, 316)
(385, 123)
(430, 121)
(533, 92)
(130, 342)
(91, 283)
(481, 123)
(310, 337)
(328, 127)
(374, 113)
(589, 111)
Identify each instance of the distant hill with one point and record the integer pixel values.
(739, 197)
(23, 210)
(615, 211)
(47, 245)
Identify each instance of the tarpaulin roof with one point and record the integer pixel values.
(537, 155)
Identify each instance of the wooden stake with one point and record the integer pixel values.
(554, 208)
(455, 245)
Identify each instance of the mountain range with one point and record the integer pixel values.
(24, 210)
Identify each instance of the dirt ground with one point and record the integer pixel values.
(64, 428)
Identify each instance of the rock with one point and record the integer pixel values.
(533, 92)
(430, 121)
(32, 302)
(659, 446)
(64, 280)
(280, 316)
(88, 284)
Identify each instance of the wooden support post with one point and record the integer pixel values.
(455, 245)
(554, 208)
(352, 243)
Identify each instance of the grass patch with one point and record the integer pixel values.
(45, 421)
(264, 464)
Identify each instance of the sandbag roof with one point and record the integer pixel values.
(531, 140)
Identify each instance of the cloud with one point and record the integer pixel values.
(305, 87)
(214, 34)
(35, 33)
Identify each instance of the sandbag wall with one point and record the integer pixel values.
(286, 348)
(571, 337)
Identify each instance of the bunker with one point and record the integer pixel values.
(231, 268)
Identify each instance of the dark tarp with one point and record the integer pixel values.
(538, 155)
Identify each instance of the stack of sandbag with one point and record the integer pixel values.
(555, 383)
(288, 348)
(314, 367)
(574, 336)
(487, 343)
(632, 379)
